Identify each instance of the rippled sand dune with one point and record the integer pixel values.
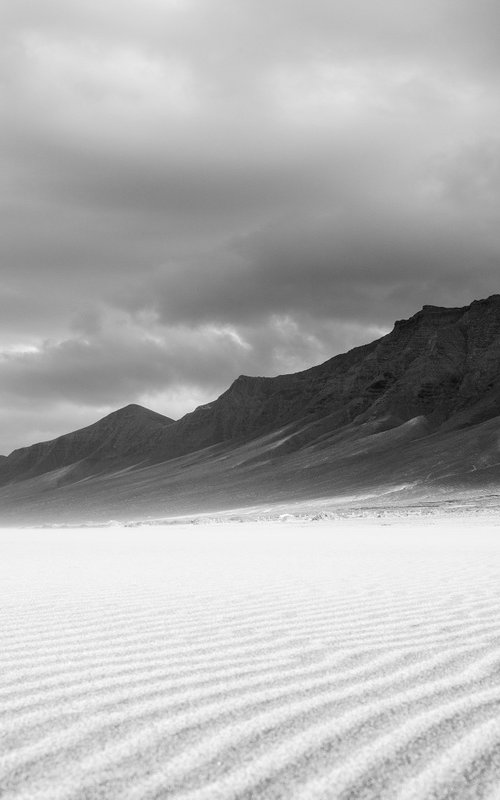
(280, 660)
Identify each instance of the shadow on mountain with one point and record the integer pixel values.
(413, 416)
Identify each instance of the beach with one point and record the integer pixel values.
(295, 659)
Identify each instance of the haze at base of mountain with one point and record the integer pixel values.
(412, 415)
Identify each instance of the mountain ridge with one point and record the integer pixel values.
(433, 375)
(122, 433)
(375, 390)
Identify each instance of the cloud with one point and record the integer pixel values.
(350, 264)
(178, 174)
(119, 359)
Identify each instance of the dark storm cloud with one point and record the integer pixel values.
(101, 364)
(197, 189)
(349, 268)
(89, 374)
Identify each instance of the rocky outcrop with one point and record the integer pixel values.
(441, 367)
(442, 364)
(128, 434)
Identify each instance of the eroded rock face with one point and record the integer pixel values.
(442, 363)
(441, 366)
(123, 435)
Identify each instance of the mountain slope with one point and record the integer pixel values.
(360, 467)
(123, 435)
(441, 363)
(418, 408)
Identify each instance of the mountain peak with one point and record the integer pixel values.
(439, 366)
(127, 433)
(436, 315)
(135, 411)
(492, 299)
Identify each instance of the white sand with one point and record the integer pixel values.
(286, 660)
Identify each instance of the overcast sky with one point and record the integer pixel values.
(194, 189)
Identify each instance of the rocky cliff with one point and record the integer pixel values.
(128, 434)
(441, 366)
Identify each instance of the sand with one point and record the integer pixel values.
(281, 660)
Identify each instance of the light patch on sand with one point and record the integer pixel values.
(261, 660)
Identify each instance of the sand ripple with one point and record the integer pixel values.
(289, 661)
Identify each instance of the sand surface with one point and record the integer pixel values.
(281, 660)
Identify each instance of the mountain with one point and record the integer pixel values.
(123, 436)
(415, 412)
(441, 364)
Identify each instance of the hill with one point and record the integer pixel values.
(122, 436)
(413, 414)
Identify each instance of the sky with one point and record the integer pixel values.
(197, 189)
